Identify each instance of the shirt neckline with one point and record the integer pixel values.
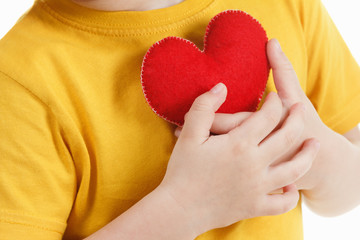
(120, 21)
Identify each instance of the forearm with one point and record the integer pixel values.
(156, 216)
(337, 180)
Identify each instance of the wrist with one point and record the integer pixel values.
(166, 217)
(321, 167)
(183, 210)
(155, 217)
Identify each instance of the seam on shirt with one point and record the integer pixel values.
(34, 95)
(31, 92)
(8, 217)
(61, 128)
(29, 225)
(120, 32)
(11, 212)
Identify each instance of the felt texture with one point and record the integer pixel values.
(175, 71)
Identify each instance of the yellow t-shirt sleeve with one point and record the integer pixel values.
(333, 83)
(37, 179)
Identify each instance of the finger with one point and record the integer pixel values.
(224, 123)
(281, 203)
(290, 171)
(287, 135)
(261, 123)
(200, 117)
(285, 79)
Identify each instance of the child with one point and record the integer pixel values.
(82, 154)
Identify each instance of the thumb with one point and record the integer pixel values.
(200, 117)
(286, 81)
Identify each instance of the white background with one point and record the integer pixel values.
(346, 16)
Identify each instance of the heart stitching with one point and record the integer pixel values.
(175, 71)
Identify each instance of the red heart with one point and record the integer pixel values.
(175, 72)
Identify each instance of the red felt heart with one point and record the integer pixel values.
(175, 72)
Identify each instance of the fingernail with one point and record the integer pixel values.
(314, 143)
(317, 144)
(177, 132)
(277, 44)
(217, 88)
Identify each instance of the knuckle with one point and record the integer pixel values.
(290, 138)
(298, 108)
(297, 121)
(240, 147)
(296, 172)
(272, 117)
(287, 66)
(284, 65)
(201, 104)
(201, 107)
(189, 117)
(293, 131)
(235, 123)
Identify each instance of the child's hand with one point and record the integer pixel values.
(290, 92)
(328, 187)
(219, 180)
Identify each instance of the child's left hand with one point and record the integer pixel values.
(329, 187)
(290, 92)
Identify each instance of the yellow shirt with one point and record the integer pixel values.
(79, 145)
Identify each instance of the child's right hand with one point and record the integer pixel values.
(219, 180)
